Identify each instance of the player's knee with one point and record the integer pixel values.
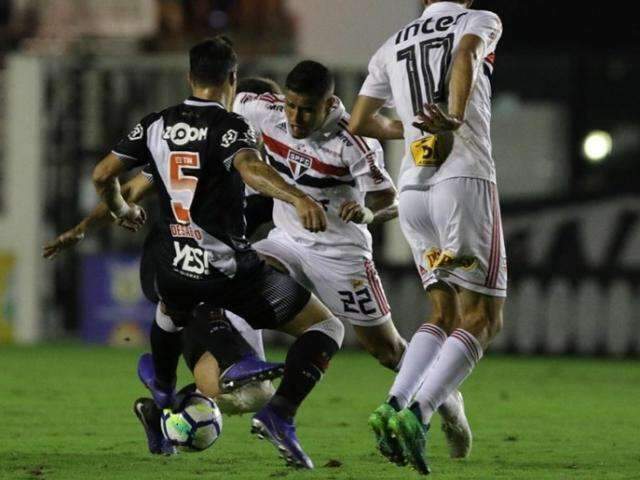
(447, 321)
(389, 356)
(331, 327)
(444, 311)
(483, 323)
(495, 324)
(389, 353)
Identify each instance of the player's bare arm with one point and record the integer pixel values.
(380, 206)
(465, 61)
(263, 178)
(367, 121)
(105, 180)
(133, 191)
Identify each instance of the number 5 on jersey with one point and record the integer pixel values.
(181, 185)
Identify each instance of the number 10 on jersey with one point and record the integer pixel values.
(435, 55)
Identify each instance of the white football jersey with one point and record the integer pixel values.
(331, 165)
(412, 68)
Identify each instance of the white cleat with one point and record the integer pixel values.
(456, 426)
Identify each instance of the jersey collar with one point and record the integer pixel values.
(330, 124)
(435, 7)
(199, 102)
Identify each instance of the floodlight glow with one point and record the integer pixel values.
(597, 146)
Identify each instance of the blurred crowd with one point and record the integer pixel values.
(68, 26)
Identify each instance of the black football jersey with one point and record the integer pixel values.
(189, 150)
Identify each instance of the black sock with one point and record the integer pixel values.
(415, 408)
(166, 348)
(307, 360)
(393, 401)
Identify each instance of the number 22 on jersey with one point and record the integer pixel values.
(182, 184)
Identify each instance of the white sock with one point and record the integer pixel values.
(164, 321)
(422, 350)
(459, 354)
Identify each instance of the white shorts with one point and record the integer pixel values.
(455, 233)
(349, 287)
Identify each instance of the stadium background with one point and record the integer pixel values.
(77, 74)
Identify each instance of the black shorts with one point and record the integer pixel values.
(262, 296)
(199, 338)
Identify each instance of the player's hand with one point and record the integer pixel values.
(352, 211)
(66, 240)
(311, 214)
(133, 219)
(434, 120)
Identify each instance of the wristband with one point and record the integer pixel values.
(367, 215)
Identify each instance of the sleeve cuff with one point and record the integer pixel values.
(228, 162)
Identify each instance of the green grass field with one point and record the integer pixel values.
(65, 413)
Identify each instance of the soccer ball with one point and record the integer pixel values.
(195, 426)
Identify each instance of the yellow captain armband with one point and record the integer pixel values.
(432, 150)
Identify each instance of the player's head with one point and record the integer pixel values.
(466, 3)
(258, 85)
(213, 64)
(309, 97)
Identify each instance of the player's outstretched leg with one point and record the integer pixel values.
(386, 442)
(320, 336)
(149, 415)
(408, 428)
(456, 426)
(242, 365)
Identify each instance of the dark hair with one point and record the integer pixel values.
(310, 78)
(258, 85)
(211, 61)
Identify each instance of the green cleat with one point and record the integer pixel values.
(385, 441)
(411, 434)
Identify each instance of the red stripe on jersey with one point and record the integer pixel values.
(491, 58)
(269, 97)
(494, 257)
(492, 247)
(376, 286)
(358, 141)
(319, 166)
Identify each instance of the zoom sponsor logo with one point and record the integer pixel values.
(182, 133)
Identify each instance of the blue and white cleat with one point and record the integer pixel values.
(163, 397)
(149, 415)
(249, 369)
(282, 433)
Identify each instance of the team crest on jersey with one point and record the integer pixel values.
(136, 133)
(299, 163)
